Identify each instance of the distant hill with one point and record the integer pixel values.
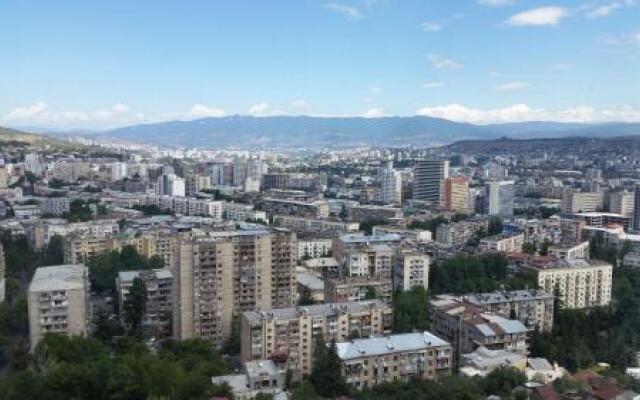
(246, 132)
(13, 135)
(583, 143)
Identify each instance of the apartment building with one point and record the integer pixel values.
(316, 248)
(532, 307)
(411, 269)
(79, 248)
(365, 212)
(55, 205)
(358, 289)
(313, 209)
(466, 326)
(159, 297)
(570, 251)
(581, 202)
(369, 362)
(3, 275)
(218, 277)
(286, 335)
(578, 283)
(506, 243)
(458, 233)
(315, 226)
(58, 301)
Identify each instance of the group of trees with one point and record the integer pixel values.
(151, 209)
(483, 273)
(104, 267)
(610, 334)
(84, 368)
(79, 211)
(410, 310)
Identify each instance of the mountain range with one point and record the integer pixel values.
(247, 132)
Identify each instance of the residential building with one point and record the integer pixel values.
(390, 190)
(582, 202)
(259, 378)
(570, 251)
(286, 335)
(506, 243)
(55, 205)
(218, 277)
(370, 362)
(411, 269)
(578, 283)
(316, 248)
(159, 297)
(622, 203)
(3, 275)
(58, 301)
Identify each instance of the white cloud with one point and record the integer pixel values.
(259, 110)
(202, 111)
(299, 105)
(374, 113)
(432, 85)
(431, 26)
(603, 10)
(542, 16)
(523, 112)
(441, 62)
(496, 3)
(509, 86)
(350, 11)
(40, 114)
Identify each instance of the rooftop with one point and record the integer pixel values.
(389, 344)
(59, 277)
(314, 310)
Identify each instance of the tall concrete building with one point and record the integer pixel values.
(636, 209)
(428, 180)
(581, 202)
(58, 301)
(220, 276)
(3, 277)
(499, 198)
(286, 335)
(456, 194)
(622, 203)
(390, 191)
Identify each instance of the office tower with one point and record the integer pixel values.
(428, 180)
(390, 191)
(220, 276)
(58, 301)
(499, 198)
(456, 194)
(171, 185)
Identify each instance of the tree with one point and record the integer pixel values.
(371, 293)
(326, 374)
(410, 310)
(529, 248)
(495, 226)
(544, 247)
(502, 381)
(135, 305)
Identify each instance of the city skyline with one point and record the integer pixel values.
(74, 65)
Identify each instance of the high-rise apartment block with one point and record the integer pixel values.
(499, 197)
(456, 194)
(226, 273)
(58, 301)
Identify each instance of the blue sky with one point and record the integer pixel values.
(70, 64)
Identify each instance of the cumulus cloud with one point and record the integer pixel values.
(510, 86)
(202, 111)
(432, 85)
(41, 114)
(542, 16)
(440, 62)
(374, 113)
(259, 110)
(431, 26)
(523, 112)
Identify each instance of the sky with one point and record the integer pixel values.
(85, 64)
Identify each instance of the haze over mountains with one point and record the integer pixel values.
(247, 132)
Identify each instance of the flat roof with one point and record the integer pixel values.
(388, 344)
(314, 310)
(59, 277)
